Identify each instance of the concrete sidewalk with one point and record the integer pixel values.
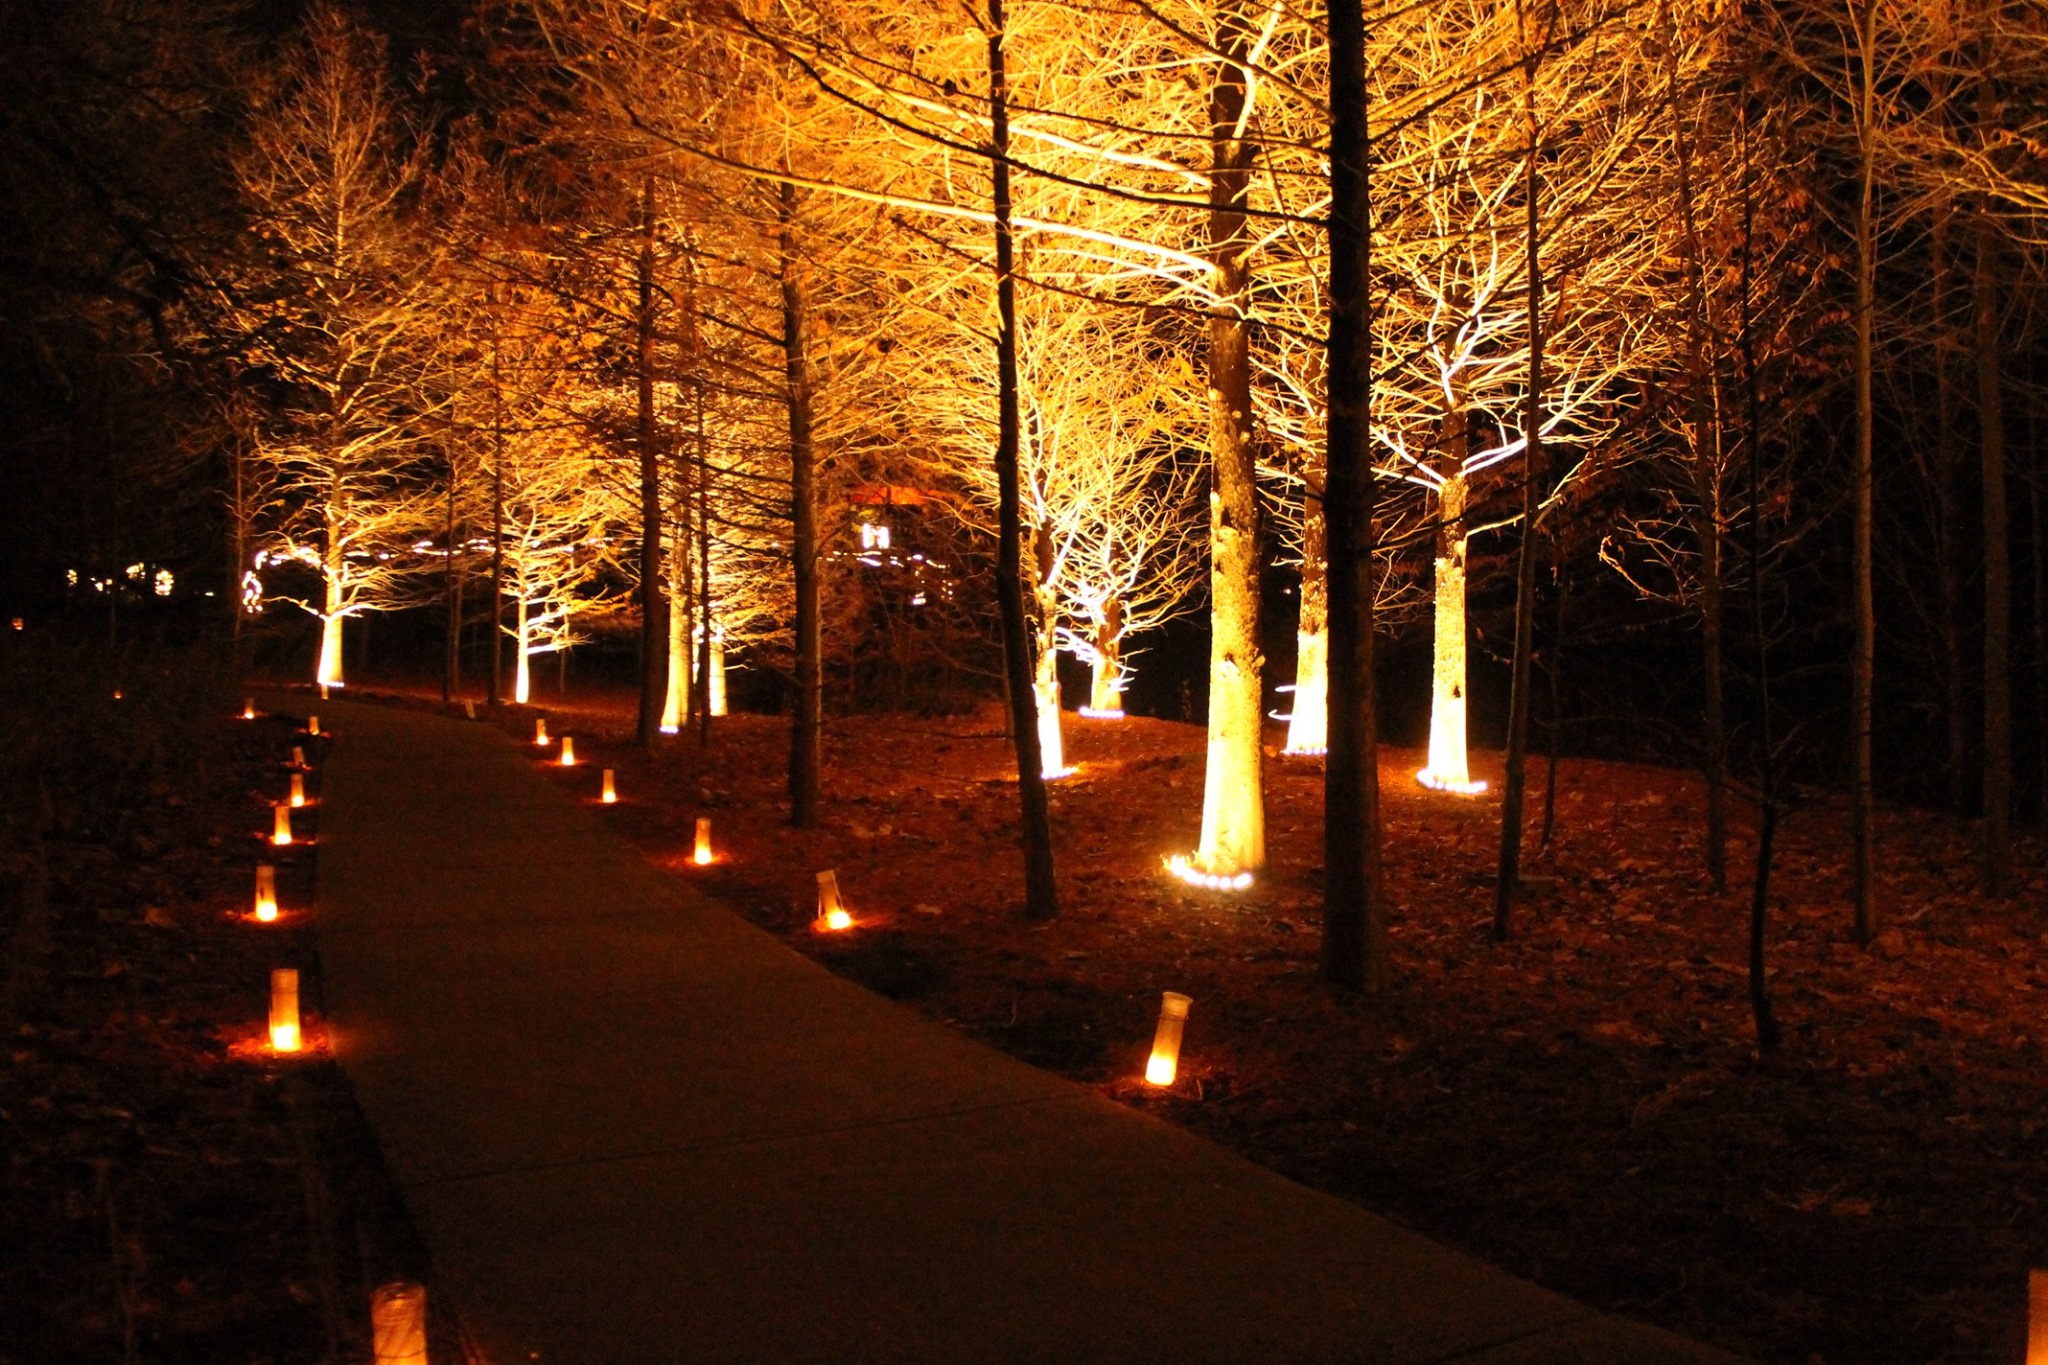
(633, 1128)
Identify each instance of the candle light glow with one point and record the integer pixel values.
(702, 856)
(266, 892)
(284, 1010)
(610, 794)
(281, 825)
(1164, 1063)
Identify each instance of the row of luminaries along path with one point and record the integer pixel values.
(397, 1310)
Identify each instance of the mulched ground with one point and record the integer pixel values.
(1583, 1105)
(172, 1192)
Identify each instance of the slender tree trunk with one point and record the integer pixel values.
(1997, 562)
(653, 609)
(1949, 568)
(807, 718)
(522, 650)
(1354, 910)
(1308, 731)
(453, 661)
(1554, 718)
(1863, 661)
(713, 690)
(1761, 1013)
(1041, 897)
(675, 698)
(497, 613)
(1508, 875)
(2040, 602)
(1233, 791)
(328, 671)
(1707, 456)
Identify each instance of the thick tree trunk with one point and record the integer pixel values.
(1105, 695)
(1354, 915)
(1308, 731)
(1447, 754)
(1041, 897)
(1997, 568)
(522, 651)
(653, 609)
(1233, 840)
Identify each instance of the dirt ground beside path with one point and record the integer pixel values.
(1582, 1106)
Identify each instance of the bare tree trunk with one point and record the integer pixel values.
(806, 720)
(1997, 562)
(1554, 721)
(1949, 568)
(653, 607)
(1863, 662)
(453, 660)
(497, 613)
(1308, 731)
(713, 701)
(1449, 764)
(1041, 896)
(1707, 456)
(1354, 911)
(1508, 875)
(1233, 791)
(1765, 1019)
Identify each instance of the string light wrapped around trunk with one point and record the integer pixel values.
(284, 1010)
(831, 914)
(1164, 1063)
(398, 1324)
(266, 892)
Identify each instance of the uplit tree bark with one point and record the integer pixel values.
(1447, 766)
(653, 606)
(1308, 722)
(1233, 839)
(1863, 661)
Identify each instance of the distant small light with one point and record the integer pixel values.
(298, 796)
(831, 914)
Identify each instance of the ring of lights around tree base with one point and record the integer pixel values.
(1093, 713)
(1305, 753)
(1184, 868)
(1441, 784)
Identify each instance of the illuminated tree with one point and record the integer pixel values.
(339, 313)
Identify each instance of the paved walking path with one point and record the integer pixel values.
(634, 1128)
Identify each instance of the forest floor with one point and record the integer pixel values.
(1583, 1105)
(170, 1191)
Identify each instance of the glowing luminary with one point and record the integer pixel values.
(610, 794)
(298, 757)
(281, 826)
(702, 857)
(540, 732)
(568, 759)
(313, 725)
(468, 709)
(298, 796)
(266, 892)
(323, 696)
(398, 1324)
(1173, 1022)
(2037, 1317)
(117, 694)
(831, 914)
(249, 709)
(284, 1010)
